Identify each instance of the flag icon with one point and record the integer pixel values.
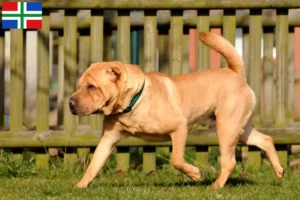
(21, 15)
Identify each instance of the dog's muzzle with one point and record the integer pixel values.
(72, 104)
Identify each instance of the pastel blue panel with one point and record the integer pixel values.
(34, 6)
(9, 24)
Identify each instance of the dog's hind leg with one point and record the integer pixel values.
(228, 138)
(230, 120)
(253, 137)
(178, 146)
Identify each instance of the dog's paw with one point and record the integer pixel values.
(195, 175)
(279, 171)
(212, 187)
(81, 185)
(215, 186)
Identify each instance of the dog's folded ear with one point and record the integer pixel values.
(114, 72)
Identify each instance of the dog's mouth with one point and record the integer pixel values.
(97, 112)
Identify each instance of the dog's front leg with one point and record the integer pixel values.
(101, 154)
(178, 146)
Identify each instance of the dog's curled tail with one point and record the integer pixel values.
(225, 48)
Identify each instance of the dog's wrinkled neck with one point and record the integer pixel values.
(134, 100)
(130, 84)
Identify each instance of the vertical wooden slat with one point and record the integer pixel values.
(70, 74)
(124, 36)
(2, 78)
(254, 67)
(215, 57)
(83, 155)
(123, 158)
(268, 87)
(165, 152)
(291, 77)
(176, 37)
(60, 79)
(176, 47)
(203, 63)
(254, 158)
(43, 75)
(17, 78)
(244, 152)
(201, 156)
(193, 41)
(150, 35)
(246, 44)
(70, 66)
(171, 167)
(150, 40)
(229, 28)
(203, 60)
(96, 121)
(41, 161)
(283, 155)
(281, 67)
(70, 158)
(123, 154)
(246, 47)
(53, 71)
(84, 60)
(149, 159)
(43, 84)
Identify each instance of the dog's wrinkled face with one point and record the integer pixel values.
(97, 89)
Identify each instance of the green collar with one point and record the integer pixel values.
(134, 100)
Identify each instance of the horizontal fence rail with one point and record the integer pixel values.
(163, 19)
(87, 138)
(167, 4)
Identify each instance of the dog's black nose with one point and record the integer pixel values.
(72, 103)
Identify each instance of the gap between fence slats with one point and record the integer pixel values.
(291, 77)
(60, 79)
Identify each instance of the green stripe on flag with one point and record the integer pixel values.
(22, 17)
(19, 15)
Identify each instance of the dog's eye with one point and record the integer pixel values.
(91, 87)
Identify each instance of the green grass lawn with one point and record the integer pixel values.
(22, 181)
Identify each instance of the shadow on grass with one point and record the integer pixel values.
(232, 182)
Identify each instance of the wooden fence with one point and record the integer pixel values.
(88, 40)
